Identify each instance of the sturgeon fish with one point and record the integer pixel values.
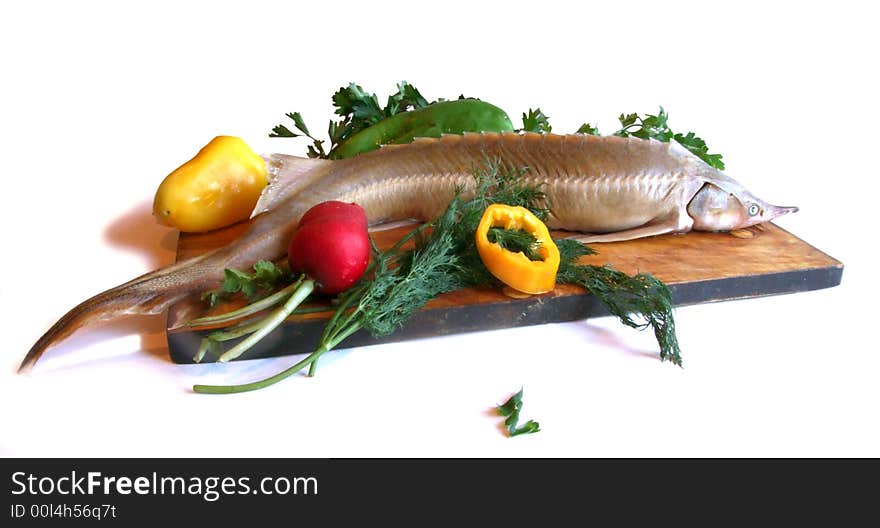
(607, 188)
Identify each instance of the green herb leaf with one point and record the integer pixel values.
(513, 418)
(267, 274)
(298, 121)
(315, 150)
(536, 121)
(510, 406)
(699, 148)
(529, 427)
(236, 281)
(266, 277)
(648, 127)
(626, 121)
(355, 102)
(282, 131)
(511, 409)
(516, 241)
(406, 98)
(571, 250)
(656, 127)
(587, 128)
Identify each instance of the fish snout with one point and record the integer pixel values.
(767, 214)
(775, 211)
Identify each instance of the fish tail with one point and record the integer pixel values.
(148, 294)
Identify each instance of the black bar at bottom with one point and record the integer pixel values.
(290, 492)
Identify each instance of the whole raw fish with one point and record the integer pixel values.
(609, 188)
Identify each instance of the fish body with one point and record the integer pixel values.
(611, 187)
(608, 188)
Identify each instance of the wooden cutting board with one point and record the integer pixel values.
(697, 267)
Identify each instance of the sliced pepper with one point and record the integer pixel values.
(516, 269)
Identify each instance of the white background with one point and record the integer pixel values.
(100, 100)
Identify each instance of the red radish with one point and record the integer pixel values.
(333, 208)
(331, 246)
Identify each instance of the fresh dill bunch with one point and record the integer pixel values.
(421, 274)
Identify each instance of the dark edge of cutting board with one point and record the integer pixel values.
(567, 303)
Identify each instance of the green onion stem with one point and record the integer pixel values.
(252, 308)
(200, 353)
(313, 309)
(239, 330)
(346, 303)
(256, 385)
(272, 321)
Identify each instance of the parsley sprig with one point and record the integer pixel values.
(652, 126)
(536, 121)
(358, 109)
(265, 278)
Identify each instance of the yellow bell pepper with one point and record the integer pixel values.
(218, 187)
(515, 269)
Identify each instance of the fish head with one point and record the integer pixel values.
(717, 209)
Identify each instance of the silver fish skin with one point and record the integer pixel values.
(610, 187)
(614, 188)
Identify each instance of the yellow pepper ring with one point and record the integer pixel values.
(515, 269)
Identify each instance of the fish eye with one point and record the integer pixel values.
(753, 209)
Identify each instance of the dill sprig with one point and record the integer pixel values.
(638, 301)
(421, 274)
(516, 241)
